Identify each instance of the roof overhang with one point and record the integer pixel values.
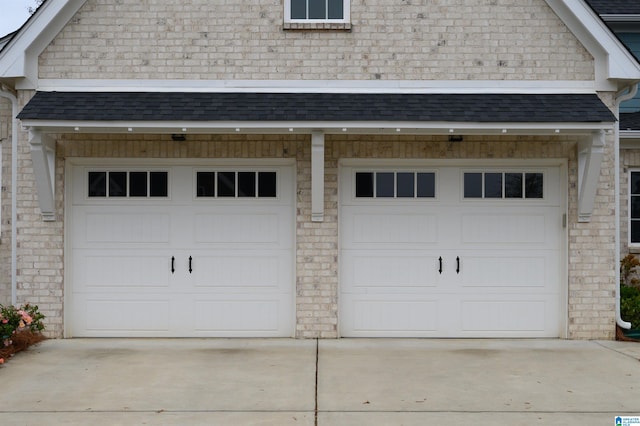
(331, 113)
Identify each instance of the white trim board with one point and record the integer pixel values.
(322, 86)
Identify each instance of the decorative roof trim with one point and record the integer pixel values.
(613, 61)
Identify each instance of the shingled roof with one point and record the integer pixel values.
(202, 107)
(615, 7)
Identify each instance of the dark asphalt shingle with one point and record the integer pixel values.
(615, 7)
(179, 106)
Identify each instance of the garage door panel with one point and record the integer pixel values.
(237, 228)
(224, 315)
(268, 271)
(491, 316)
(505, 271)
(391, 269)
(131, 227)
(499, 228)
(384, 317)
(115, 315)
(122, 271)
(396, 227)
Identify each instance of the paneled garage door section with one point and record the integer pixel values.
(451, 252)
(182, 251)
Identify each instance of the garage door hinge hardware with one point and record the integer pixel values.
(190, 259)
(440, 261)
(457, 264)
(173, 264)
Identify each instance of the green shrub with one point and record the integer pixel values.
(630, 305)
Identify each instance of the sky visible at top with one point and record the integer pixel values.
(14, 13)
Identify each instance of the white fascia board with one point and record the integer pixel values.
(308, 127)
(324, 86)
(19, 59)
(612, 60)
(620, 18)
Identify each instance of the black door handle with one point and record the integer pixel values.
(190, 259)
(440, 263)
(173, 264)
(457, 265)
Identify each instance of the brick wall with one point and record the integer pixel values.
(590, 255)
(389, 40)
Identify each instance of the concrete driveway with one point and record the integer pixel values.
(326, 382)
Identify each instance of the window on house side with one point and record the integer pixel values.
(308, 11)
(634, 207)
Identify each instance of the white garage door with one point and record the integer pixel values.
(181, 251)
(451, 252)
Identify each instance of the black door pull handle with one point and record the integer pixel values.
(173, 264)
(440, 263)
(190, 269)
(457, 265)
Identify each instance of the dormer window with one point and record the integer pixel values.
(316, 11)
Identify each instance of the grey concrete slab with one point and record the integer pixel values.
(360, 381)
(475, 376)
(162, 375)
(474, 419)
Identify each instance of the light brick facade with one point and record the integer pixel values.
(222, 40)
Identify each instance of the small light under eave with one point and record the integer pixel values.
(398, 129)
(557, 130)
(344, 129)
(504, 130)
(184, 129)
(130, 129)
(77, 129)
(237, 129)
(450, 130)
(291, 129)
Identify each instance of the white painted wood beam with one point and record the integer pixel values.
(590, 156)
(43, 155)
(317, 176)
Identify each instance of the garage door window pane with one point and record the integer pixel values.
(426, 185)
(384, 185)
(533, 185)
(158, 184)
(246, 184)
(473, 185)
(364, 184)
(97, 184)
(267, 184)
(493, 185)
(513, 185)
(226, 184)
(117, 184)
(406, 185)
(205, 184)
(138, 184)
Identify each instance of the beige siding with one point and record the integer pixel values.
(399, 40)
